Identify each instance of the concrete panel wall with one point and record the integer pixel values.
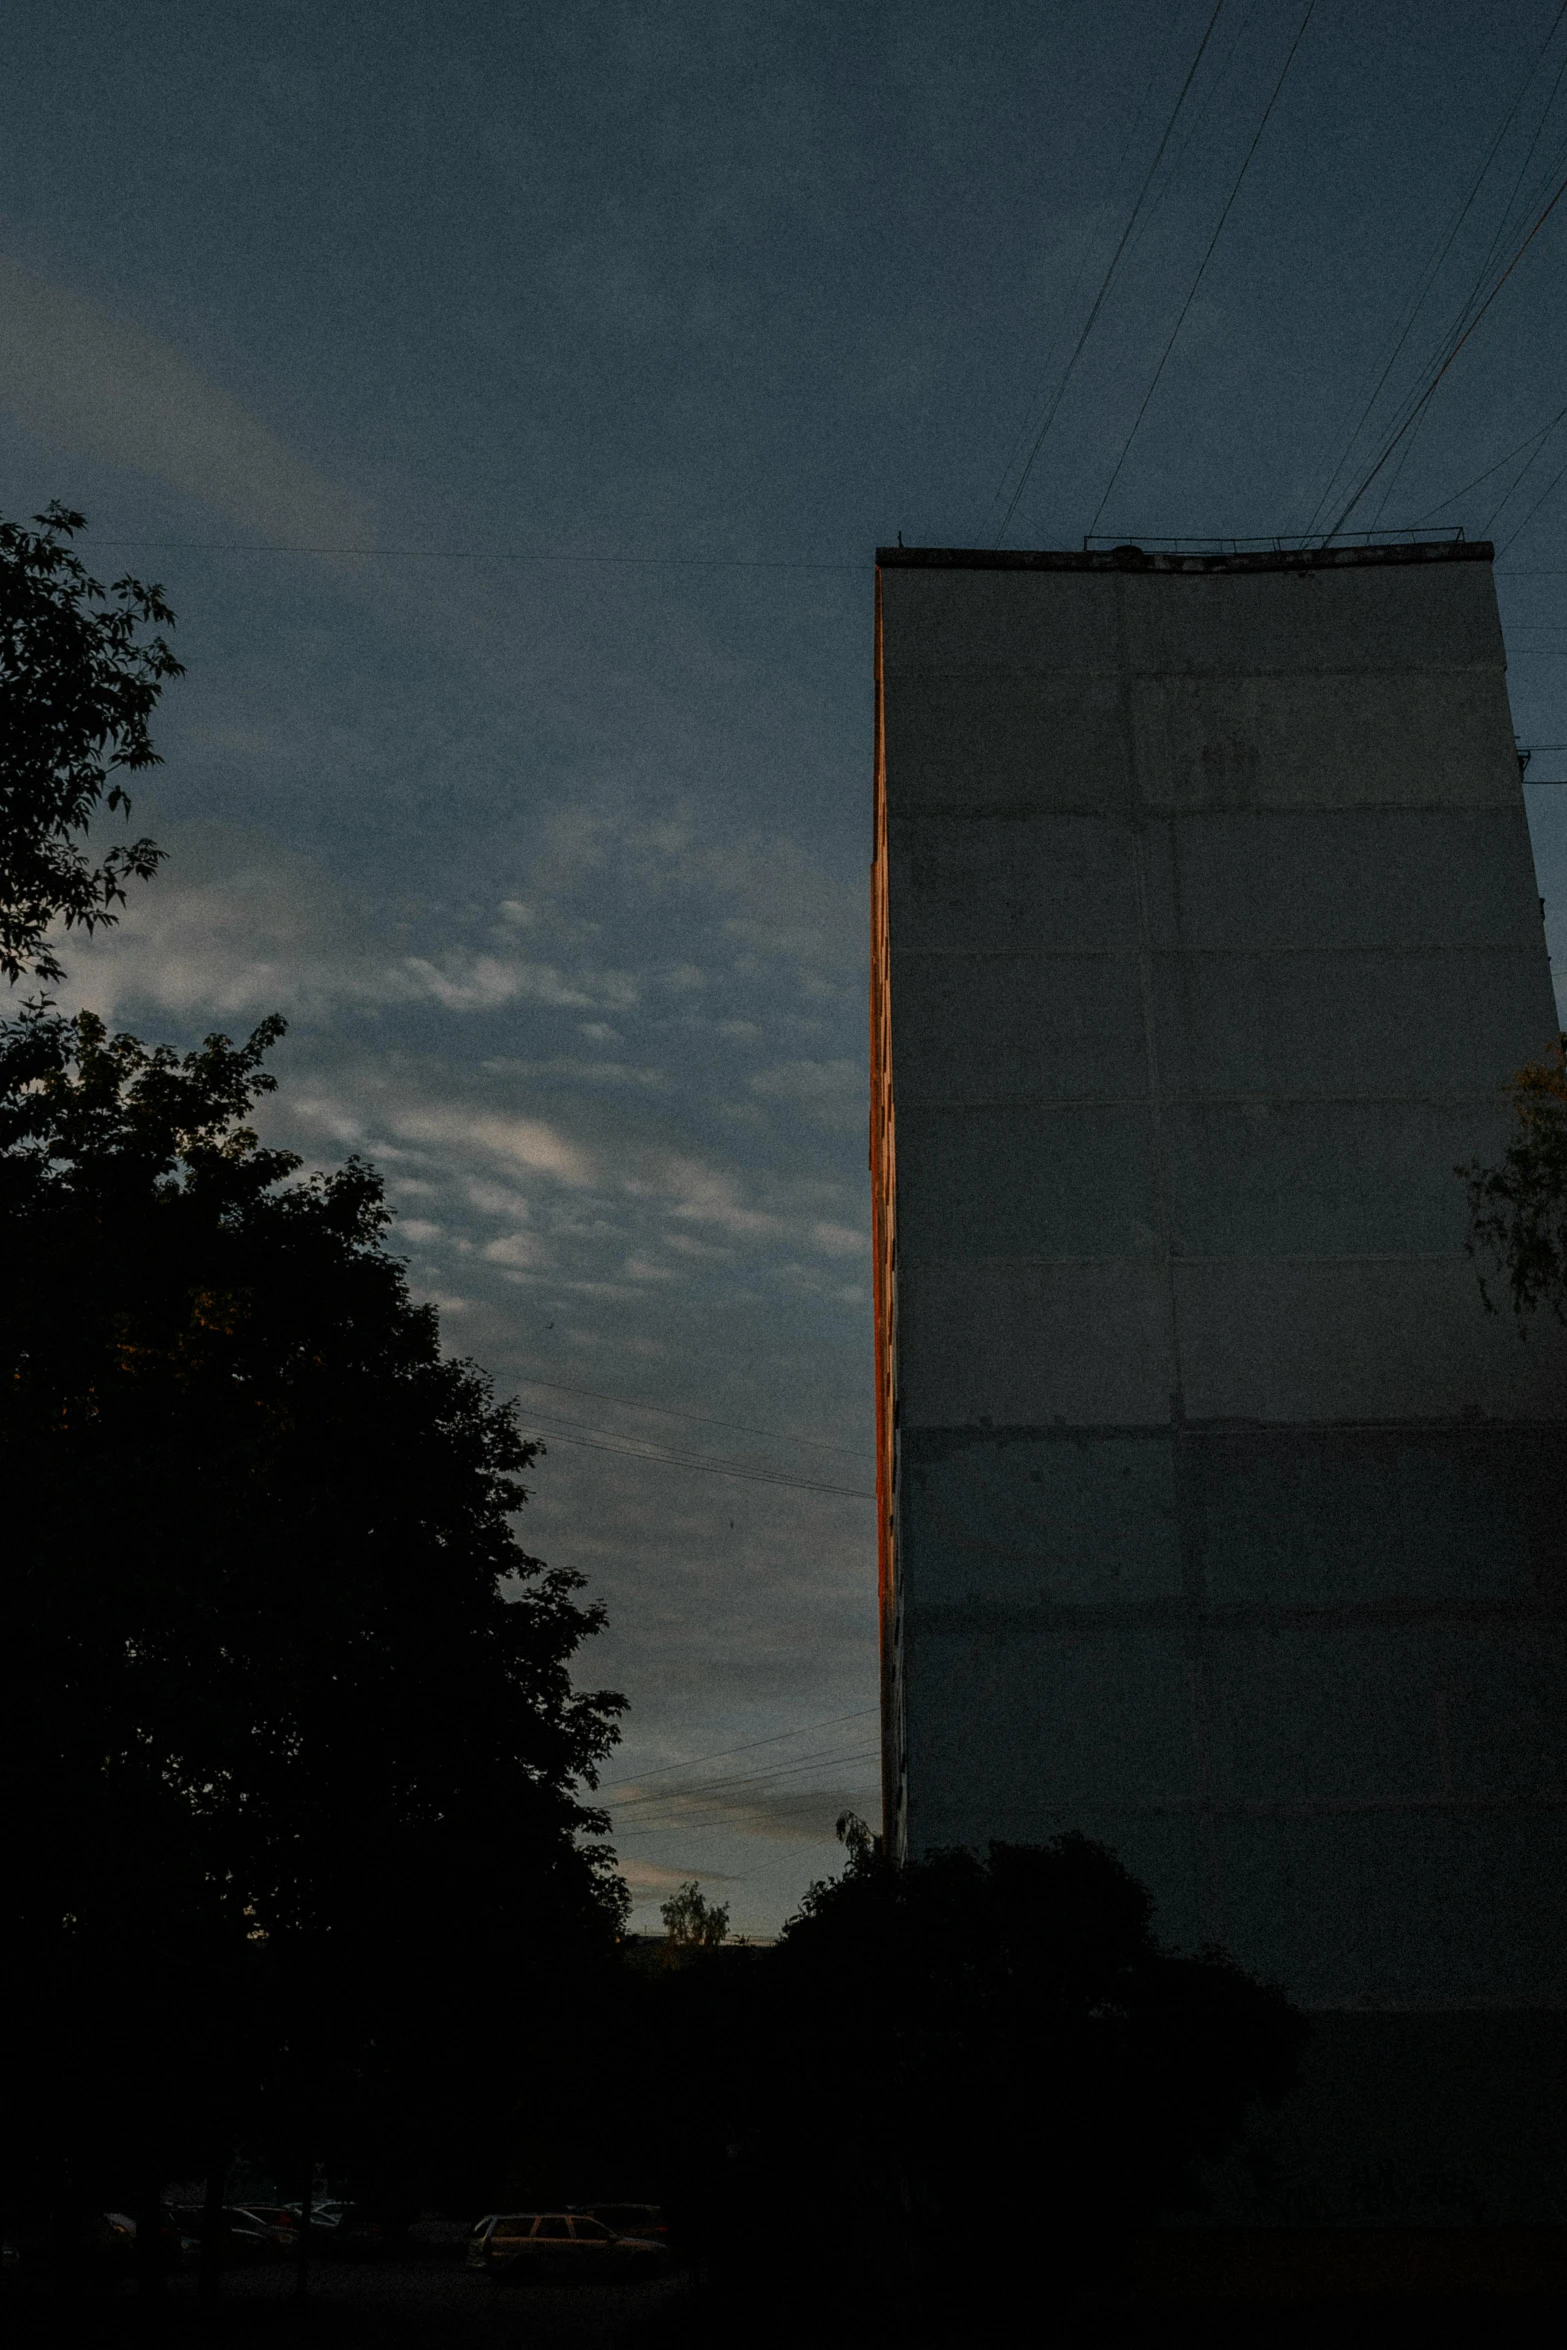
(1225, 1524)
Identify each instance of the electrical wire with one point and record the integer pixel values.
(1215, 85)
(672, 1412)
(1203, 265)
(1108, 279)
(693, 1761)
(1543, 782)
(567, 1421)
(1020, 437)
(1514, 535)
(722, 1790)
(1412, 312)
(1503, 229)
(601, 1441)
(1505, 222)
(482, 555)
(700, 1827)
(1423, 402)
(1534, 441)
(727, 1782)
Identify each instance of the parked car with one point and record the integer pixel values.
(275, 2215)
(242, 2235)
(644, 2220)
(106, 2242)
(558, 2247)
(364, 2233)
(328, 2213)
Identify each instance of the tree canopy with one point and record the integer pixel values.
(691, 1921)
(984, 2071)
(281, 1681)
(79, 679)
(1518, 1211)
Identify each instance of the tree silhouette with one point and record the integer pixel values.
(290, 1709)
(991, 2074)
(1518, 1211)
(691, 1922)
(78, 682)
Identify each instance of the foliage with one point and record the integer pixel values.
(290, 1708)
(78, 683)
(691, 1922)
(996, 2045)
(1518, 1211)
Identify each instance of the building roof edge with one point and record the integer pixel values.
(1193, 563)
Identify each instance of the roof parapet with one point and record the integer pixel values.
(1177, 556)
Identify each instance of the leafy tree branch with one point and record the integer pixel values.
(79, 679)
(1518, 1211)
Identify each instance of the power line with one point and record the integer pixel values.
(1020, 437)
(601, 1441)
(1215, 85)
(1419, 408)
(801, 1730)
(1207, 257)
(722, 1790)
(484, 555)
(1467, 307)
(1534, 509)
(672, 1412)
(728, 1827)
(1107, 280)
(1413, 311)
(1544, 433)
(1499, 234)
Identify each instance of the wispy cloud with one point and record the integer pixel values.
(235, 926)
(617, 1166)
(801, 1816)
(72, 373)
(652, 1878)
(830, 1093)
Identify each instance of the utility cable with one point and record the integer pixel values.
(1426, 397)
(823, 1758)
(1504, 223)
(672, 1412)
(680, 1828)
(1503, 229)
(1533, 511)
(720, 1790)
(1108, 279)
(1215, 85)
(1413, 311)
(1533, 442)
(678, 1460)
(1202, 267)
(1020, 437)
(740, 1818)
(1521, 476)
(482, 555)
(693, 1761)
(567, 1421)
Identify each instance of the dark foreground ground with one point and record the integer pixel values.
(398, 2305)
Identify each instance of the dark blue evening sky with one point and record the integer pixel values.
(558, 866)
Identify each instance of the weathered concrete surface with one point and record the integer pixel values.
(1220, 1520)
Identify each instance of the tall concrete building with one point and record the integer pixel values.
(1219, 1520)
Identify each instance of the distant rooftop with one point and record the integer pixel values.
(1189, 555)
